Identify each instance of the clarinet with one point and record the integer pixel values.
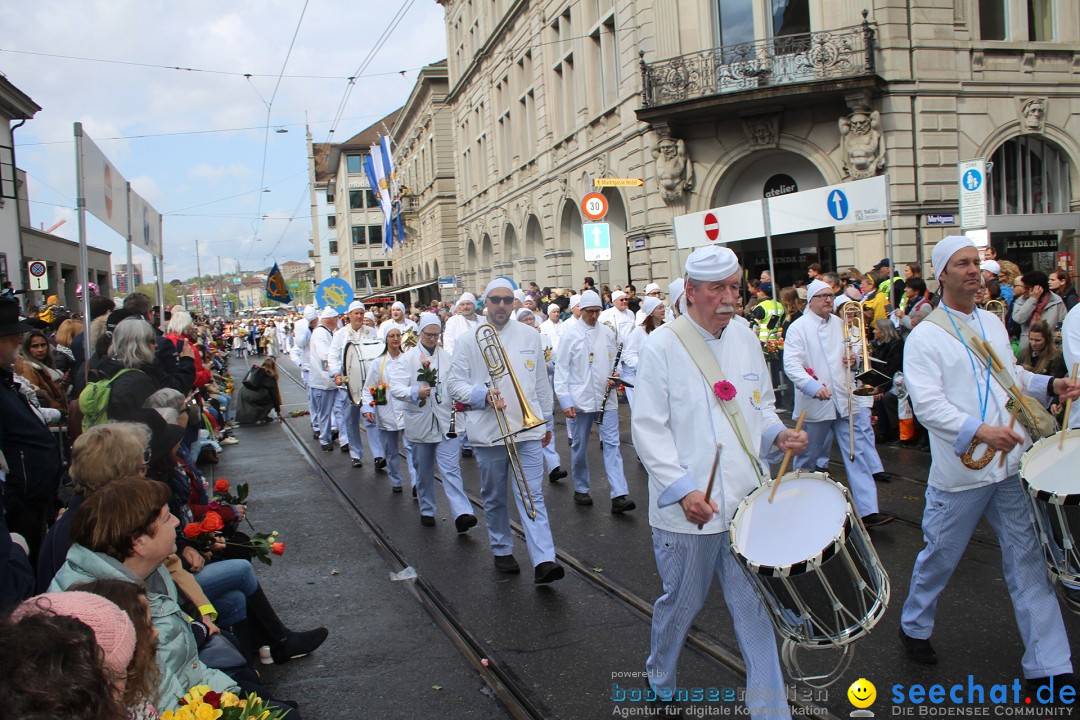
(452, 432)
(614, 369)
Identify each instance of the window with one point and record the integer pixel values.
(370, 201)
(526, 104)
(506, 134)
(1040, 17)
(735, 23)
(329, 197)
(363, 278)
(1029, 175)
(1016, 20)
(358, 235)
(331, 221)
(604, 54)
(386, 278)
(333, 247)
(992, 19)
(356, 199)
(375, 234)
(354, 164)
(562, 32)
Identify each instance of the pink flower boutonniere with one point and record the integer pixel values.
(810, 372)
(724, 390)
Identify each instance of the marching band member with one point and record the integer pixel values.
(468, 383)
(301, 337)
(619, 315)
(1070, 349)
(678, 429)
(586, 359)
(552, 327)
(461, 323)
(427, 420)
(398, 320)
(651, 290)
(383, 410)
(323, 390)
(818, 362)
(653, 317)
(552, 461)
(676, 291)
(959, 403)
(348, 415)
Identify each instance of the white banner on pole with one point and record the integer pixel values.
(832, 206)
(719, 225)
(145, 225)
(104, 188)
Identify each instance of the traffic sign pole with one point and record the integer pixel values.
(768, 245)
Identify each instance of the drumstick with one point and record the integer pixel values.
(1012, 421)
(1068, 409)
(712, 476)
(787, 458)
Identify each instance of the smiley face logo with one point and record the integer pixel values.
(862, 693)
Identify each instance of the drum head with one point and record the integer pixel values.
(355, 366)
(1050, 471)
(804, 519)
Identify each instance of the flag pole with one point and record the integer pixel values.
(84, 256)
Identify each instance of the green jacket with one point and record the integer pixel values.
(177, 654)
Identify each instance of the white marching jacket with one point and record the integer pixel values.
(812, 343)
(586, 359)
(342, 337)
(428, 424)
(391, 415)
(319, 359)
(468, 375)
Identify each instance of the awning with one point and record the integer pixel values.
(397, 290)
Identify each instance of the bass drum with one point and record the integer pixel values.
(354, 365)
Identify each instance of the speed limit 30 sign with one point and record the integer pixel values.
(594, 206)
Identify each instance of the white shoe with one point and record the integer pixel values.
(229, 441)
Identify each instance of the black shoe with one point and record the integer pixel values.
(507, 565)
(882, 477)
(427, 521)
(582, 498)
(315, 435)
(557, 474)
(621, 504)
(328, 448)
(297, 644)
(396, 489)
(357, 463)
(380, 463)
(334, 434)
(345, 447)
(547, 572)
(414, 492)
(921, 651)
(464, 522)
(876, 519)
(466, 452)
(822, 469)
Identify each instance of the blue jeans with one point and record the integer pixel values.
(227, 584)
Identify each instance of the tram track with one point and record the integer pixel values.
(510, 689)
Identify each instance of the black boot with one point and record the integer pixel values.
(284, 643)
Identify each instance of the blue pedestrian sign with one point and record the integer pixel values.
(972, 180)
(837, 205)
(597, 238)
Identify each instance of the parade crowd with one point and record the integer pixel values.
(144, 582)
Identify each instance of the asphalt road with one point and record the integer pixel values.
(569, 643)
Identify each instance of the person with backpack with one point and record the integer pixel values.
(29, 456)
(131, 375)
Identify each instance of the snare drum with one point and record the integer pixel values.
(811, 561)
(1049, 476)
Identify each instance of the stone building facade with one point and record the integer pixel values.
(714, 102)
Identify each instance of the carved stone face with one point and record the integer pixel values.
(1034, 112)
(860, 123)
(668, 149)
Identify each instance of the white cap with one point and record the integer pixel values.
(466, 297)
(617, 294)
(945, 249)
(589, 299)
(575, 300)
(369, 316)
(399, 305)
(990, 266)
(519, 294)
(649, 305)
(327, 313)
(712, 263)
(499, 282)
(652, 287)
(555, 307)
(815, 287)
(427, 319)
(523, 312)
(355, 305)
(310, 312)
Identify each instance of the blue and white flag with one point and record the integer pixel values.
(395, 192)
(373, 166)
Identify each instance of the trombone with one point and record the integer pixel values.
(498, 367)
(867, 381)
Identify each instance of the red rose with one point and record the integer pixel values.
(192, 530)
(278, 548)
(221, 485)
(213, 699)
(460, 407)
(212, 522)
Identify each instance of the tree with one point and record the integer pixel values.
(171, 298)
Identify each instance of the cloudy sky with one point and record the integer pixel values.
(194, 142)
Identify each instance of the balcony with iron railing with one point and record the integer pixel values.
(774, 65)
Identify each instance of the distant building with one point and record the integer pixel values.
(14, 105)
(120, 273)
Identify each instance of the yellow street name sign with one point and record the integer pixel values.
(618, 182)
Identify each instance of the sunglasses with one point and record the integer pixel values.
(497, 299)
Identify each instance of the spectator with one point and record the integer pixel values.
(1042, 357)
(1060, 284)
(36, 365)
(132, 363)
(64, 339)
(258, 395)
(1036, 302)
(100, 307)
(793, 308)
(888, 347)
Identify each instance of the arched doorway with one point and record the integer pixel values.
(534, 250)
(510, 253)
(570, 238)
(471, 261)
(486, 259)
(1029, 193)
(772, 173)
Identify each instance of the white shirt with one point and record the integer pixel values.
(586, 359)
(428, 424)
(622, 320)
(817, 344)
(301, 338)
(678, 423)
(342, 337)
(1070, 346)
(457, 326)
(319, 359)
(390, 415)
(631, 351)
(404, 325)
(553, 331)
(468, 375)
(945, 395)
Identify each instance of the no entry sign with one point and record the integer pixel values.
(712, 226)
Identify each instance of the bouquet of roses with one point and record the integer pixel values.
(203, 534)
(429, 375)
(202, 703)
(222, 492)
(299, 413)
(378, 394)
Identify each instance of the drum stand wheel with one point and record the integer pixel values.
(789, 654)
